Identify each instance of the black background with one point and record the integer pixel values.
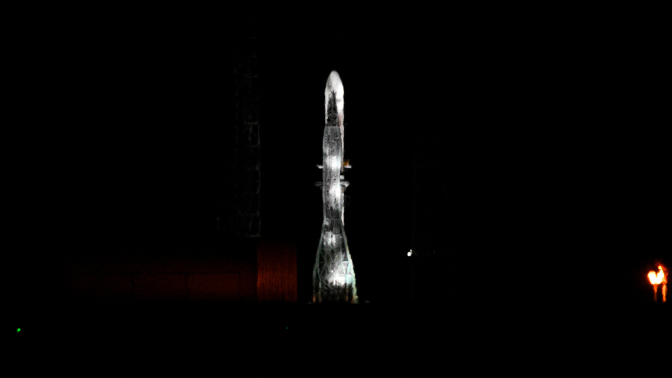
(523, 151)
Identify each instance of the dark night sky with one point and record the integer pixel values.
(528, 140)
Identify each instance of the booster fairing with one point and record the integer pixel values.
(334, 89)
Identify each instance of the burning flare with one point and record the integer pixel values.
(657, 279)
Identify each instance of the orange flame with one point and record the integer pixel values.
(657, 279)
(654, 278)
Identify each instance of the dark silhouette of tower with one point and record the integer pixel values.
(246, 156)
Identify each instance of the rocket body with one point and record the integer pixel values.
(333, 273)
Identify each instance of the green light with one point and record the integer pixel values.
(286, 327)
(18, 330)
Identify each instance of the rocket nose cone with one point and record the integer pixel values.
(334, 81)
(334, 86)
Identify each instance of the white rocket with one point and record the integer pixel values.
(333, 273)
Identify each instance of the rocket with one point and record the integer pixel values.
(333, 273)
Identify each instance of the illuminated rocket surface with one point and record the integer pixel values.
(333, 273)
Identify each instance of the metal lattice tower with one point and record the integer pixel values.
(247, 147)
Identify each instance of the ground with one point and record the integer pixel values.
(406, 340)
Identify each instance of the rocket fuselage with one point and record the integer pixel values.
(332, 162)
(333, 274)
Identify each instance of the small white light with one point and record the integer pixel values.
(410, 253)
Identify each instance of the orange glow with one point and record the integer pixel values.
(654, 278)
(657, 279)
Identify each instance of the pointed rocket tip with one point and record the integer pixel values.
(334, 77)
(334, 85)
